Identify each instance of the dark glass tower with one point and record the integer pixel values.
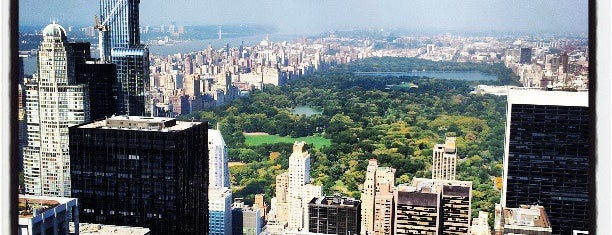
(143, 172)
(101, 79)
(131, 57)
(334, 215)
(546, 159)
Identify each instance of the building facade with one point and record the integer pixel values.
(377, 199)
(294, 191)
(54, 102)
(218, 160)
(546, 155)
(334, 215)
(101, 79)
(220, 211)
(143, 172)
(433, 206)
(416, 212)
(444, 160)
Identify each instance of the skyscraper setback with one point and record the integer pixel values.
(546, 156)
(132, 58)
(54, 102)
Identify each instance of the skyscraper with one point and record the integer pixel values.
(132, 78)
(300, 191)
(546, 155)
(123, 20)
(444, 160)
(334, 215)
(377, 199)
(218, 170)
(54, 102)
(131, 57)
(220, 211)
(294, 191)
(433, 206)
(142, 171)
(101, 79)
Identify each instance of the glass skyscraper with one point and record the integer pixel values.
(123, 21)
(131, 57)
(546, 159)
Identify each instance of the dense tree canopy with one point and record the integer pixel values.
(365, 117)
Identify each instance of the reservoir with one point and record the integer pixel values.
(452, 75)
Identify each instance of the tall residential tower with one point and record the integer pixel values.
(54, 102)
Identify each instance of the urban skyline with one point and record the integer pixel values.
(374, 143)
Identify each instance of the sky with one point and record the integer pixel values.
(317, 16)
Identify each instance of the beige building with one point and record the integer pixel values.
(377, 199)
(444, 160)
(294, 191)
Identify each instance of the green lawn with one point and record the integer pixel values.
(317, 141)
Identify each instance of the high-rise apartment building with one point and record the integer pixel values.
(416, 211)
(54, 102)
(294, 191)
(546, 155)
(220, 211)
(377, 199)
(525, 55)
(218, 171)
(131, 57)
(438, 206)
(334, 215)
(142, 171)
(444, 160)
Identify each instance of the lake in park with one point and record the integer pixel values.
(453, 75)
(305, 110)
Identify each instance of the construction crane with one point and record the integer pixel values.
(103, 32)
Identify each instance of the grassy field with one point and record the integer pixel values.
(317, 141)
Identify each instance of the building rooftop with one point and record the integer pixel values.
(526, 217)
(30, 206)
(101, 229)
(140, 123)
(335, 201)
(542, 97)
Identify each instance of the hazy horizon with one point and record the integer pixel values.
(316, 16)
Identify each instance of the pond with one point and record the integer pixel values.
(452, 75)
(305, 110)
